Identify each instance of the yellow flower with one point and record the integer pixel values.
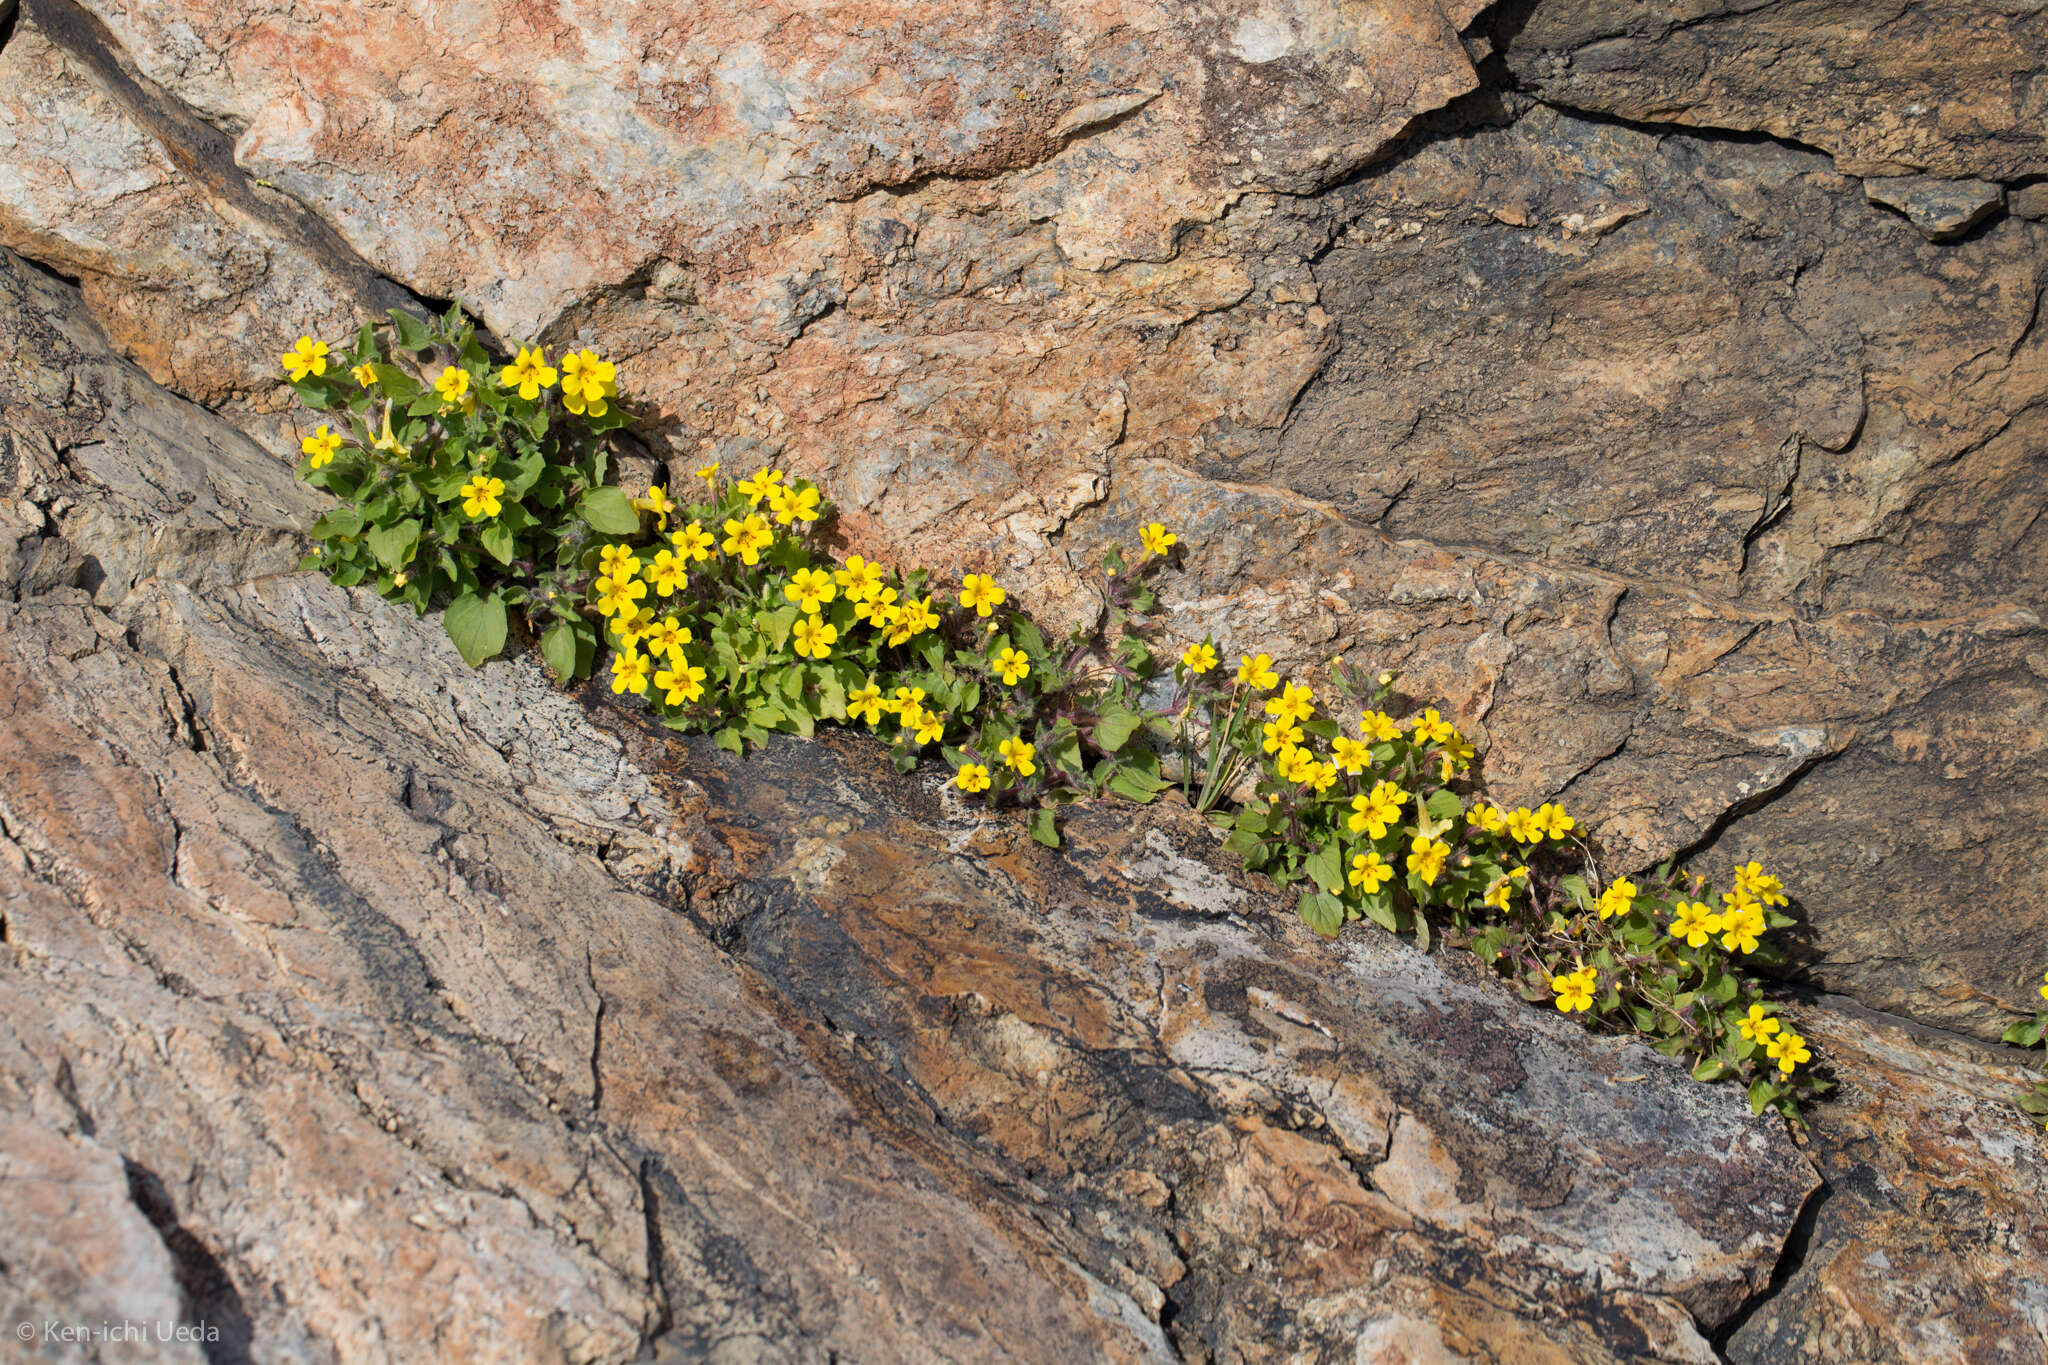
(1018, 755)
(1373, 812)
(616, 596)
(1379, 727)
(865, 703)
(972, 777)
(1295, 764)
(859, 578)
(1490, 818)
(480, 496)
(1741, 927)
(667, 638)
(1757, 1026)
(759, 486)
(630, 627)
(1323, 778)
(1695, 923)
(1351, 754)
(319, 448)
(1752, 878)
(668, 573)
(929, 728)
(529, 374)
(810, 588)
(1553, 821)
(708, 472)
(587, 382)
(1431, 728)
(1574, 990)
(452, 384)
(747, 539)
(1199, 659)
(1256, 670)
(388, 442)
(364, 375)
(1497, 894)
(876, 608)
(680, 683)
(906, 699)
(1617, 898)
(306, 357)
(1369, 872)
(693, 543)
(629, 672)
(1426, 857)
(1280, 734)
(1013, 664)
(1524, 827)
(2044, 987)
(1788, 1050)
(618, 561)
(980, 592)
(794, 504)
(1157, 539)
(814, 637)
(1295, 703)
(912, 619)
(655, 500)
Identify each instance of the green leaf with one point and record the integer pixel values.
(477, 625)
(1709, 1069)
(609, 511)
(1114, 726)
(729, 739)
(411, 333)
(497, 541)
(1029, 640)
(1575, 887)
(1326, 869)
(569, 651)
(1761, 1092)
(394, 544)
(1043, 829)
(1379, 908)
(338, 521)
(1135, 786)
(1443, 804)
(1322, 913)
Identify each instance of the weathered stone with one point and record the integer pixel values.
(1949, 87)
(1941, 209)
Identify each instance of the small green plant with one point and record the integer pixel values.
(2029, 1033)
(484, 489)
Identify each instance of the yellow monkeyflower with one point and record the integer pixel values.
(1379, 727)
(667, 638)
(909, 699)
(631, 626)
(1374, 811)
(1295, 764)
(617, 596)
(1752, 878)
(1574, 990)
(1757, 1026)
(657, 501)
(669, 572)
(1694, 923)
(480, 496)
(1431, 728)
(929, 728)
(681, 682)
(972, 777)
(1018, 755)
(1323, 778)
(859, 578)
(2044, 986)
(1524, 827)
(810, 588)
(387, 442)
(1014, 664)
(814, 637)
(865, 703)
(452, 384)
(1490, 818)
(1456, 755)
(1157, 539)
(1617, 898)
(1369, 872)
(1256, 670)
(629, 672)
(529, 374)
(364, 375)
(979, 592)
(587, 381)
(1280, 735)
(794, 504)
(1497, 894)
(912, 619)
(1426, 857)
(1741, 927)
(1351, 754)
(708, 472)
(1198, 658)
(1295, 703)
(618, 561)
(1788, 1050)
(319, 448)
(693, 543)
(876, 608)
(760, 485)
(1553, 821)
(306, 356)
(747, 539)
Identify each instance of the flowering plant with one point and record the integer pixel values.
(722, 608)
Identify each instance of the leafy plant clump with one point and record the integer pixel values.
(483, 487)
(2029, 1033)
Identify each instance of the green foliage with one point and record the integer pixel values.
(2029, 1033)
(483, 490)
